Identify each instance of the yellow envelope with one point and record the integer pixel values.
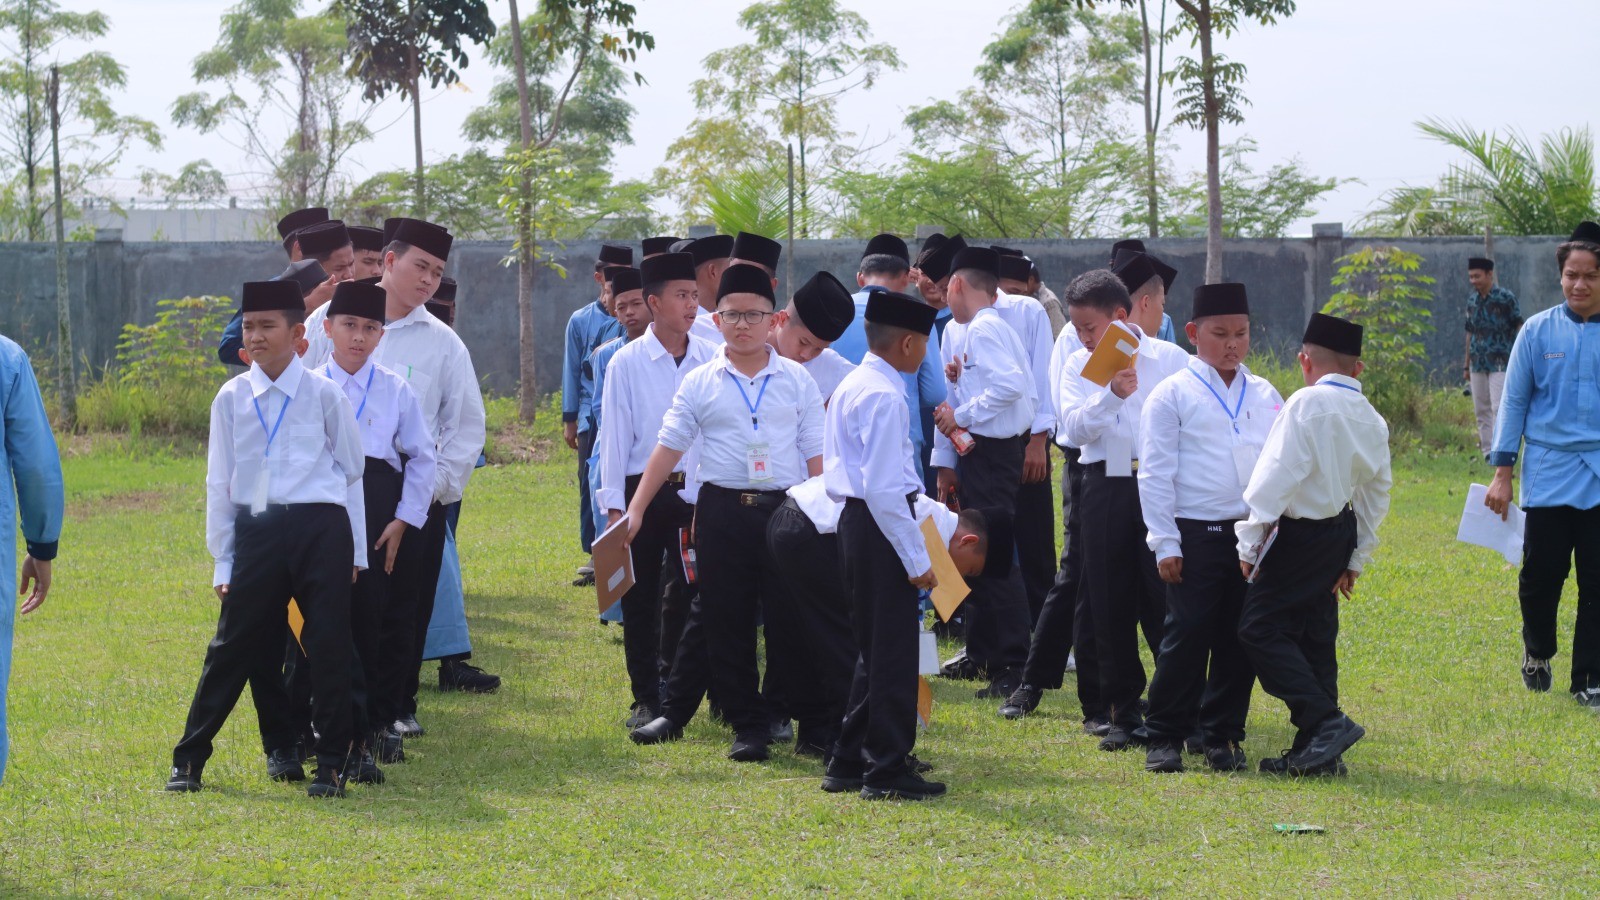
(297, 621)
(924, 701)
(952, 588)
(1117, 350)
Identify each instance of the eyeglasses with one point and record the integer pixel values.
(734, 316)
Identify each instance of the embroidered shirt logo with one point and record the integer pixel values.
(1555, 356)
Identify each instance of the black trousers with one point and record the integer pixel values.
(1035, 528)
(302, 551)
(585, 498)
(1123, 588)
(737, 573)
(1052, 632)
(880, 720)
(1202, 675)
(405, 624)
(810, 613)
(1290, 620)
(997, 609)
(655, 552)
(1552, 537)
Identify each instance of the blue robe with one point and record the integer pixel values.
(30, 456)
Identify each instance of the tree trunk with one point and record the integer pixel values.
(65, 376)
(30, 129)
(1152, 212)
(527, 362)
(421, 203)
(1213, 154)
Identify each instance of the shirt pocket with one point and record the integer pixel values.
(419, 381)
(306, 443)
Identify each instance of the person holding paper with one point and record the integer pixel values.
(1323, 477)
(1120, 583)
(640, 384)
(1036, 516)
(629, 307)
(1203, 430)
(995, 398)
(758, 419)
(1550, 403)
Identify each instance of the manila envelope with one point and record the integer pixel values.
(952, 588)
(297, 621)
(924, 701)
(1115, 352)
(613, 565)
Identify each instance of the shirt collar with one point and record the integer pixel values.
(1205, 371)
(342, 378)
(720, 359)
(1574, 316)
(288, 380)
(1345, 380)
(656, 349)
(987, 310)
(420, 314)
(878, 364)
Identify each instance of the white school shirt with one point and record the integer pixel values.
(314, 458)
(391, 423)
(706, 327)
(812, 497)
(1328, 447)
(1193, 448)
(867, 454)
(435, 363)
(1091, 416)
(827, 369)
(1066, 344)
(713, 406)
(640, 384)
(1032, 325)
(995, 396)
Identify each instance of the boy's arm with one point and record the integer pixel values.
(461, 427)
(232, 340)
(931, 387)
(1514, 400)
(884, 436)
(570, 358)
(219, 502)
(339, 418)
(811, 415)
(1087, 409)
(616, 411)
(1158, 473)
(1285, 461)
(413, 440)
(1007, 383)
(1371, 504)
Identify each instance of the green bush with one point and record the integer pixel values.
(1382, 288)
(165, 375)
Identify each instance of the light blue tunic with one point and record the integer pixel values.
(589, 327)
(1552, 402)
(30, 456)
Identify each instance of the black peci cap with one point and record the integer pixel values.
(307, 274)
(443, 311)
(753, 248)
(900, 311)
(1225, 299)
(323, 238)
(300, 218)
(1015, 268)
(271, 296)
(353, 298)
(1168, 274)
(824, 306)
(667, 267)
(1134, 244)
(936, 263)
(623, 279)
(1481, 263)
(365, 237)
(1133, 269)
(446, 291)
(655, 246)
(981, 258)
(616, 255)
(744, 278)
(425, 236)
(710, 249)
(1334, 333)
(887, 245)
(1588, 232)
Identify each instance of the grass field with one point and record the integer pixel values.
(1466, 785)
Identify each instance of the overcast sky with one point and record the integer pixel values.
(1338, 85)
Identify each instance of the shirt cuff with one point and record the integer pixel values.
(919, 561)
(943, 459)
(223, 573)
(1503, 458)
(43, 551)
(569, 416)
(610, 499)
(416, 518)
(1166, 548)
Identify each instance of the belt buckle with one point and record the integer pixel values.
(1133, 466)
(748, 499)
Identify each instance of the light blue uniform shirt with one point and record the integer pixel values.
(1167, 332)
(599, 361)
(1552, 402)
(589, 327)
(29, 458)
(924, 390)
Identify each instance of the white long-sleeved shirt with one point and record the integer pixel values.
(812, 497)
(315, 456)
(1066, 344)
(1198, 435)
(1328, 447)
(1092, 416)
(995, 395)
(1032, 325)
(391, 423)
(713, 406)
(867, 454)
(640, 384)
(435, 363)
(827, 369)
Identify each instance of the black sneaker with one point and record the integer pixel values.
(363, 768)
(1589, 697)
(1163, 756)
(909, 786)
(1331, 739)
(408, 726)
(841, 776)
(185, 779)
(1227, 757)
(1097, 726)
(639, 714)
(328, 782)
(1535, 673)
(455, 675)
(782, 731)
(1194, 744)
(1279, 765)
(1117, 738)
(391, 748)
(1001, 688)
(1025, 699)
(656, 731)
(752, 748)
(960, 668)
(284, 765)
(919, 766)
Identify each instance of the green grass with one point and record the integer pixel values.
(1466, 784)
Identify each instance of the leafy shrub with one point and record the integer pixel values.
(166, 373)
(1382, 288)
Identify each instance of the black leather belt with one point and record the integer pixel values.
(753, 498)
(675, 478)
(1100, 466)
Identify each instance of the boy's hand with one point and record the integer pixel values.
(355, 572)
(952, 370)
(1346, 584)
(944, 418)
(1124, 383)
(392, 533)
(947, 482)
(321, 294)
(222, 591)
(35, 572)
(1035, 460)
(1498, 497)
(569, 433)
(927, 581)
(1171, 569)
(1247, 569)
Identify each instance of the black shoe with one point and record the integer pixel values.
(328, 782)
(809, 748)
(841, 776)
(960, 668)
(782, 731)
(1025, 699)
(909, 786)
(408, 727)
(1097, 726)
(185, 779)
(1194, 744)
(455, 675)
(584, 579)
(1163, 756)
(391, 748)
(1535, 673)
(656, 731)
(1227, 757)
(639, 715)
(1280, 766)
(1333, 737)
(921, 767)
(1117, 738)
(284, 765)
(1140, 735)
(1001, 688)
(363, 768)
(751, 749)
(1589, 697)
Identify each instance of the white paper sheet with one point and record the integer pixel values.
(1481, 527)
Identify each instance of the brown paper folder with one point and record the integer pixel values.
(613, 564)
(297, 621)
(924, 701)
(952, 587)
(1115, 352)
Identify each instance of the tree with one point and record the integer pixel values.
(709, 150)
(1154, 81)
(32, 35)
(275, 66)
(1254, 205)
(461, 191)
(1408, 211)
(805, 55)
(1383, 289)
(395, 43)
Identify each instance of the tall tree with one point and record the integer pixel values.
(1518, 187)
(277, 67)
(805, 55)
(1254, 204)
(394, 44)
(1154, 43)
(32, 36)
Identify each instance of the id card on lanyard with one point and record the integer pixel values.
(1244, 455)
(758, 456)
(258, 499)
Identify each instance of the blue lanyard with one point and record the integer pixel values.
(755, 425)
(366, 392)
(1233, 417)
(273, 431)
(1338, 385)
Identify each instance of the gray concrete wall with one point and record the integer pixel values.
(113, 282)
